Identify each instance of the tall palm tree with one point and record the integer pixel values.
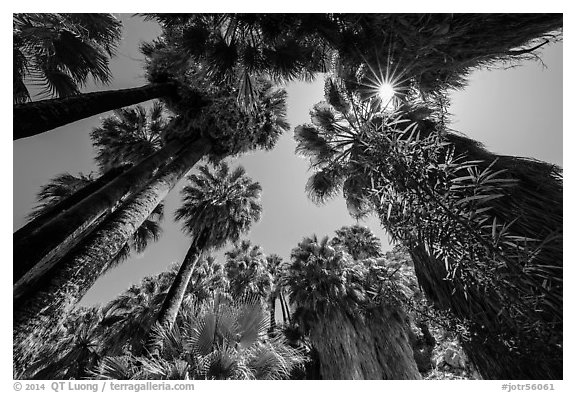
(60, 51)
(36, 220)
(233, 50)
(208, 278)
(88, 334)
(328, 289)
(274, 263)
(247, 271)
(218, 207)
(435, 191)
(294, 46)
(125, 138)
(365, 247)
(64, 186)
(358, 241)
(220, 129)
(44, 303)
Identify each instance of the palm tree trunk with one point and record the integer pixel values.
(40, 308)
(173, 301)
(283, 307)
(272, 312)
(33, 118)
(486, 345)
(43, 248)
(67, 203)
(370, 346)
(287, 307)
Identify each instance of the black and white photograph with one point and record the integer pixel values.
(287, 196)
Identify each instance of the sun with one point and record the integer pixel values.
(386, 92)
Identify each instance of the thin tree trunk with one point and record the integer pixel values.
(67, 203)
(272, 313)
(283, 299)
(173, 301)
(43, 248)
(282, 306)
(33, 118)
(44, 306)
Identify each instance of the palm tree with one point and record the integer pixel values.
(64, 186)
(273, 263)
(247, 271)
(328, 289)
(60, 51)
(40, 306)
(364, 247)
(358, 241)
(220, 129)
(288, 47)
(233, 50)
(218, 206)
(88, 334)
(124, 138)
(130, 135)
(213, 339)
(132, 314)
(433, 52)
(76, 350)
(435, 191)
(208, 278)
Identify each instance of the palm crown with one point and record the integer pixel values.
(60, 51)
(247, 270)
(219, 205)
(322, 278)
(129, 135)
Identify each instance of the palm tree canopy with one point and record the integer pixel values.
(59, 188)
(286, 47)
(237, 49)
(219, 204)
(247, 270)
(358, 241)
(58, 52)
(129, 135)
(214, 339)
(322, 278)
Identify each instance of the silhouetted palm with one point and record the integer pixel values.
(228, 130)
(247, 271)
(58, 52)
(218, 207)
(436, 191)
(355, 337)
(196, 38)
(129, 135)
(358, 241)
(65, 185)
(124, 139)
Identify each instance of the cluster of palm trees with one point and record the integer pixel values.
(226, 325)
(484, 231)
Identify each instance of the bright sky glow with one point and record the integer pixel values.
(386, 92)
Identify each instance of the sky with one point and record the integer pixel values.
(515, 111)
